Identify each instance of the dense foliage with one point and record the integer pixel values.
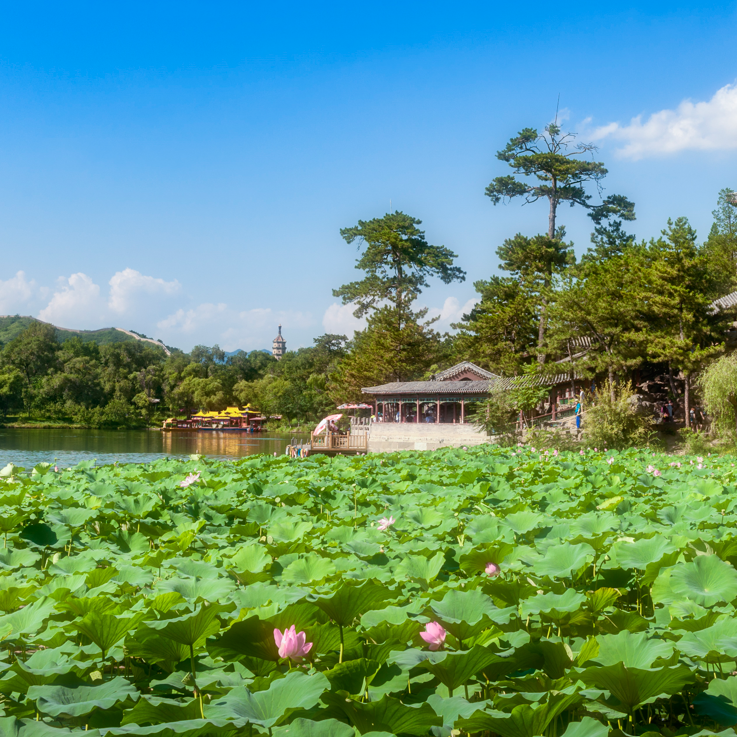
(135, 383)
(495, 592)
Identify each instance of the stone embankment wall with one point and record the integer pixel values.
(386, 437)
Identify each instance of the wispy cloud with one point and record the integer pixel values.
(16, 292)
(692, 126)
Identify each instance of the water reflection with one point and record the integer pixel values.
(69, 447)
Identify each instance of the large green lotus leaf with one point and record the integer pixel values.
(593, 525)
(72, 516)
(10, 519)
(57, 701)
(351, 601)
(252, 637)
(307, 728)
(523, 522)
(587, 727)
(715, 644)
(567, 602)
(632, 687)
(395, 615)
(73, 564)
(105, 630)
(193, 589)
(29, 619)
(425, 517)
(10, 727)
(192, 628)
(634, 650)
(706, 581)
(286, 531)
(131, 543)
(453, 707)
(138, 506)
(81, 606)
(719, 701)
(46, 536)
(526, 720)
(465, 613)
(152, 710)
(156, 649)
(185, 728)
(560, 561)
(295, 691)
(475, 561)
(455, 669)
(352, 675)
(17, 558)
(641, 553)
(420, 567)
(484, 529)
(252, 558)
(386, 715)
(193, 568)
(312, 568)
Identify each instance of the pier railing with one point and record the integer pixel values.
(356, 443)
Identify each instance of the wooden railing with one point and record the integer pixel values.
(336, 441)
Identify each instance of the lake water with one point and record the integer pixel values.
(69, 447)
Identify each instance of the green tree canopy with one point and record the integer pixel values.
(397, 261)
(552, 165)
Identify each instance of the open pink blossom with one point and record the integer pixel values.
(580, 452)
(492, 569)
(434, 635)
(291, 643)
(610, 461)
(191, 479)
(385, 524)
(656, 472)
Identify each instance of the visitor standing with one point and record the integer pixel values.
(669, 409)
(579, 410)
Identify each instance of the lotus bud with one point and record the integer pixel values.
(492, 569)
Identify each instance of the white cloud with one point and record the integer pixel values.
(75, 304)
(340, 320)
(128, 288)
(451, 311)
(210, 323)
(15, 292)
(692, 126)
(188, 321)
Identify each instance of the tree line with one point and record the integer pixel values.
(624, 303)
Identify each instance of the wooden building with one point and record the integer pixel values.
(449, 395)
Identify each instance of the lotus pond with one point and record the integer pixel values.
(482, 592)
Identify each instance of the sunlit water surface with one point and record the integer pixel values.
(69, 447)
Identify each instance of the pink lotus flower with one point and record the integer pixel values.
(434, 635)
(492, 569)
(385, 524)
(555, 452)
(650, 469)
(656, 472)
(191, 479)
(292, 644)
(580, 452)
(610, 461)
(699, 459)
(700, 466)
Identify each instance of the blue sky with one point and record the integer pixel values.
(184, 169)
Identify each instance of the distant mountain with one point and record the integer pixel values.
(13, 325)
(228, 354)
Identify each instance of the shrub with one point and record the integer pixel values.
(718, 385)
(613, 419)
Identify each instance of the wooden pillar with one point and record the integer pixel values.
(463, 419)
(417, 416)
(437, 412)
(454, 413)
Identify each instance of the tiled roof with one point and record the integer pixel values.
(499, 383)
(723, 303)
(459, 368)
